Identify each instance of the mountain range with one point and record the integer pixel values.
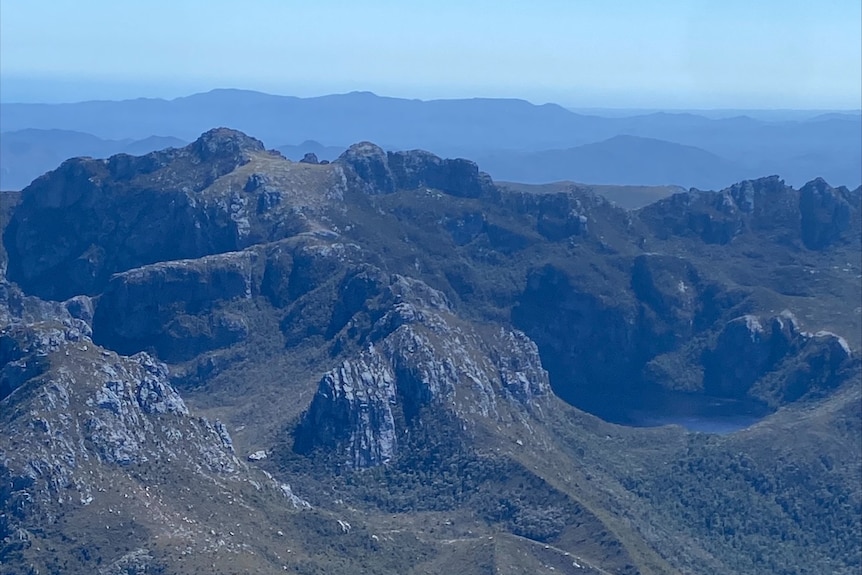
(511, 139)
(214, 359)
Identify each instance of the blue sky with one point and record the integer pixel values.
(587, 53)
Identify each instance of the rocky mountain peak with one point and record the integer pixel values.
(817, 215)
(89, 219)
(380, 172)
(309, 158)
(420, 358)
(744, 195)
(370, 164)
(225, 143)
(826, 213)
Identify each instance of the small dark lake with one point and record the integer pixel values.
(693, 412)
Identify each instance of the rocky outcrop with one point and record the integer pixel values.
(379, 172)
(827, 214)
(352, 412)
(370, 166)
(419, 358)
(83, 426)
(89, 219)
(309, 158)
(816, 215)
(82, 406)
(19, 308)
(745, 350)
(718, 217)
(23, 349)
(774, 361)
(23, 352)
(177, 308)
(458, 177)
(823, 363)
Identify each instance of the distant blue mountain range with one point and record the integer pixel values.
(511, 139)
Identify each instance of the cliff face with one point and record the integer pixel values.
(91, 218)
(175, 308)
(418, 357)
(828, 214)
(774, 361)
(379, 172)
(816, 216)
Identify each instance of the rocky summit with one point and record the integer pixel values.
(217, 360)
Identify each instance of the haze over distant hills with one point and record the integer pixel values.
(27, 154)
(774, 115)
(512, 139)
(627, 160)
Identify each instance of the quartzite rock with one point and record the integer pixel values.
(380, 172)
(419, 359)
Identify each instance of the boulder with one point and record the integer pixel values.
(370, 166)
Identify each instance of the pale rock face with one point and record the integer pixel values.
(773, 359)
(836, 339)
(295, 500)
(359, 396)
(375, 171)
(258, 455)
(80, 431)
(520, 373)
(754, 327)
(89, 406)
(71, 409)
(421, 357)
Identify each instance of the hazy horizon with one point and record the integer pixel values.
(685, 55)
(609, 111)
